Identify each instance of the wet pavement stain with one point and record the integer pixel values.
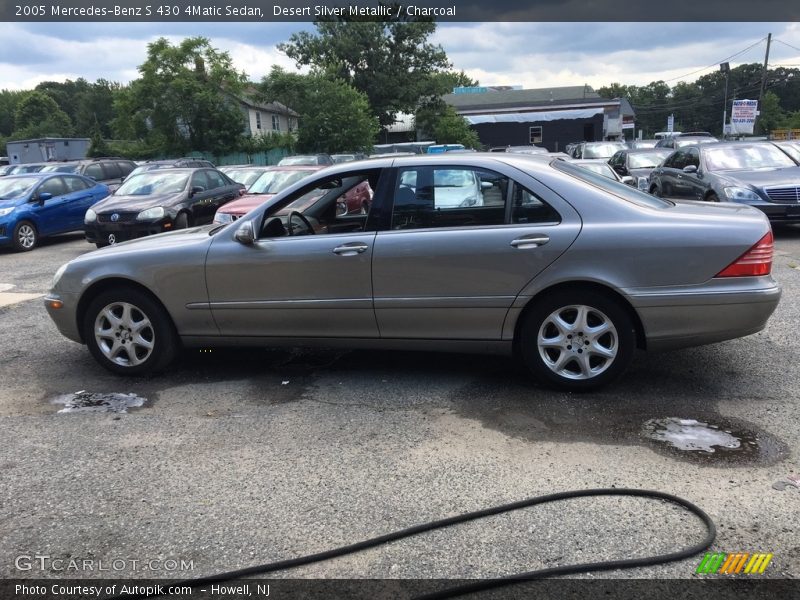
(514, 405)
(694, 435)
(89, 402)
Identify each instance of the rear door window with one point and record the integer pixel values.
(94, 171)
(112, 170)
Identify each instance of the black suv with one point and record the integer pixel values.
(107, 170)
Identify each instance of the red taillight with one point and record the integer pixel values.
(754, 262)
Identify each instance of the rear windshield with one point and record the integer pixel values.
(742, 158)
(601, 150)
(60, 169)
(621, 190)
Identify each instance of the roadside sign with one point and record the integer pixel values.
(743, 116)
(671, 123)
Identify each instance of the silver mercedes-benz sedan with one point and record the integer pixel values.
(566, 269)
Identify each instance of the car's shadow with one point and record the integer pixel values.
(53, 240)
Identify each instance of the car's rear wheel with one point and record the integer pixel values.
(577, 340)
(25, 237)
(128, 332)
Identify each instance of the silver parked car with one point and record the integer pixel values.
(567, 268)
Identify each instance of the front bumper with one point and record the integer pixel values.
(723, 309)
(779, 213)
(112, 233)
(66, 317)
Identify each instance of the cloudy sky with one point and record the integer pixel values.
(527, 54)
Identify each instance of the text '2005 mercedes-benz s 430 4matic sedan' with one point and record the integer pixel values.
(567, 269)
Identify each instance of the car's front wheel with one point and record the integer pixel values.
(25, 237)
(128, 332)
(577, 340)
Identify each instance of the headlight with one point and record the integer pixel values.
(641, 183)
(151, 213)
(90, 216)
(738, 194)
(222, 218)
(7, 211)
(471, 201)
(58, 274)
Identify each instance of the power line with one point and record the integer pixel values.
(785, 44)
(654, 108)
(711, 66)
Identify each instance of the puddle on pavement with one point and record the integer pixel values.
(83, 402)
(513, 405)
(693, 435)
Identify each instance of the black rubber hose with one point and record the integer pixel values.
(485, 584)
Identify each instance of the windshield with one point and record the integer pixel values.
(647, 160)
(601, 150)
(599, 168)
(619, 189)
(17, 186)
(244, 176)
(792, 150)
(738, 158)
(694, 141)
(299, 160)
(272, 182)
(147, 184)
(60, 169)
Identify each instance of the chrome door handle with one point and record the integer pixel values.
(533, 241)
(350, 249)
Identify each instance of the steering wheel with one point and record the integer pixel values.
(305, 221)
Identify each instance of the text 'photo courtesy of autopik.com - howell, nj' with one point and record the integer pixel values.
(376, 300)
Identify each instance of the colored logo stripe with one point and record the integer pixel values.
(735, 563)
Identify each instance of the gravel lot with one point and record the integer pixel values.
(241, 457)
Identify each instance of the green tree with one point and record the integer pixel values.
(38, 115)
(771, 115)
(98, 146)
(334, 117)
(444, 125)
(186, 98)
(8, 107)
(392, 62)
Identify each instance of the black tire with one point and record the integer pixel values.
(25, 237)
(575, 373)
(655, 191)
(712, 197)
(160, 332)
(101, 244)
(182, 221)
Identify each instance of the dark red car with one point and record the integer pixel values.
(276, 179)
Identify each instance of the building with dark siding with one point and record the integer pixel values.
(547, 117)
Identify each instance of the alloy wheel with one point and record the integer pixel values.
(124, 334)
(577, 342)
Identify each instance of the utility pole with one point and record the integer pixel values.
(725, 68)
(764, 76)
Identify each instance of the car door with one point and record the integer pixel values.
(52, 214)
(453, 270)
(224, 190)
(669, 172)
(317, 286)
(77, 200)
(201, 201)
(693, 181)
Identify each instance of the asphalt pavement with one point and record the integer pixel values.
(238, 457)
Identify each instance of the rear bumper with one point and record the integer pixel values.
(723, 309)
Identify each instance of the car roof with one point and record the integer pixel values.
(39, 175)
(647, 150)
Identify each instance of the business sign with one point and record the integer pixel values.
(743, 116)
(671, 123)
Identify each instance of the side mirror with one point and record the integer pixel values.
(197, 189)
(486, 185)
(629, 180)
(690, 169)
(45, 196)
(245, 234)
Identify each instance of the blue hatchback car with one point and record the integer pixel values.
(36, 205)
